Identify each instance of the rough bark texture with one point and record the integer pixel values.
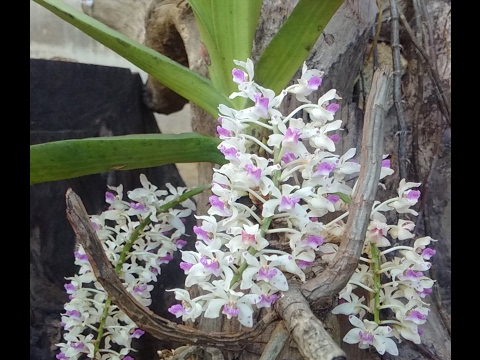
(305, 328)
(418, 130)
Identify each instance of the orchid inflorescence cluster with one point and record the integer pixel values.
(397, 284)
(299, 181)
(288, 191)
(138, 236)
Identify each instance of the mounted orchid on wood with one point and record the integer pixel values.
(287, 226)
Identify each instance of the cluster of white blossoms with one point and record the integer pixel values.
(299, 181)
(138, 236)
(233, 263)
(398, 284)
(282, 197)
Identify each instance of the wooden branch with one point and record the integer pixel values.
(277, 342)
(421, 12)
(376, 35)
(397, 92)
(432, 72)
(338, 272)
(155, 325)
(314, 342)
(196, 352)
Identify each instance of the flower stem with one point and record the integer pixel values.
(129, 243)
(301, 107)
(379, 206)
(185, 196)
(259, 143)
(292, 170)
(397, 248)
(146, 221)
(366, 260)
(395, 322)
(362, 286)
(101, 327)
(242, 267)
(376, 282)
(266, 126)
(252, 251)
(283, 230)
(250, 211)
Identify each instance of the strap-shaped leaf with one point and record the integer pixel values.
(227, 29)
(180, 79)
(67, 159)
(291, 45)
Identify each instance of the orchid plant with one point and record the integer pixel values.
(295, 181)
(300, 179)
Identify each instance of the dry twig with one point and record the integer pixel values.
(442, 100)
(397, 92)
(447, 46)
(336, 275)
(376, 35)
(419, 94)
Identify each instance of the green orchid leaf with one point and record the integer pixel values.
(344, 197)
(227, 29)
(67, 159)
(291, 45)
(182, 80)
